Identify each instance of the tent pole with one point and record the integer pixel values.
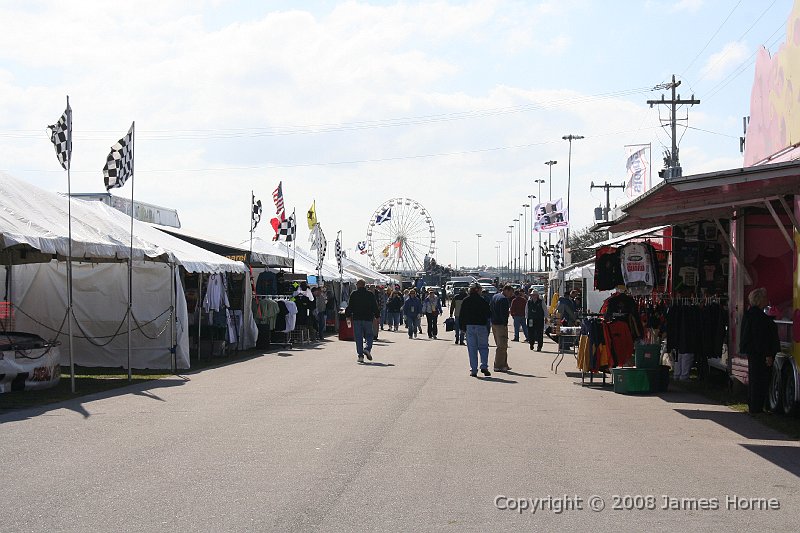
(130, 260)
(199, 308)
(69, 251)
(173, 316)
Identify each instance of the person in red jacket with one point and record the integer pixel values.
(518, 315)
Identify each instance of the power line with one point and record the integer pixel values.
(314, 129)
(711, 38)
(348, 162)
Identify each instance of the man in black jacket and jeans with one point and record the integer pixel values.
(363, 308)
(473, 319)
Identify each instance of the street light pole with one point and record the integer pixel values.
(569, 138)
(510, 250)
(539, 232)
(550, 165)
(456, 265)
(526, 239)
(516, 250)
(519, 247)
(479, 252)
(498, 245)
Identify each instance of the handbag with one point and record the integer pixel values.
(450, 324)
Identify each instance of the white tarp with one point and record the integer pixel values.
(100, 304)
(37, 218)
(305, 262)
(364, 272)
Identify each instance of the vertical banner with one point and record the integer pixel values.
(550, 217)
(638, 168)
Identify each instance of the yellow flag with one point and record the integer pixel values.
(385, 251)
(312, 215)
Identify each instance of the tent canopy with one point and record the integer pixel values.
(305, 262)
(34, 228)
(713, 195)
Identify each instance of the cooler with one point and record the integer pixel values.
(345, 328)
(640, 380)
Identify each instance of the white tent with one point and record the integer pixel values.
(364, 272)
(33, 229)
(584, 273)
(305, 262)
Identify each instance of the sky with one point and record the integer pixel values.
(456, 105)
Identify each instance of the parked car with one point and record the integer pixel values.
(491, 289)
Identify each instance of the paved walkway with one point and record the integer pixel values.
(309, 440)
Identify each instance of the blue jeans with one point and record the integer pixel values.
(362, 329)
(519, 323)
(321, 324)
(394, 320)
(412, 321)
(460, 335)
(384, 314)
(477, 341)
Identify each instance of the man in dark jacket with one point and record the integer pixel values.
(759, 341)
(363, 309)
(472, 319)
(455, 312)
(500, 306)
(535, 312)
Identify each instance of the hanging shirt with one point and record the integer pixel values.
(637, 268)
(607, 269)
(216, 296)
(291, 317)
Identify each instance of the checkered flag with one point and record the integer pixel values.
(255, 212)
(322, 248)
(338, 252)
(61, 137)
(558, 255)
(119, 163)
(287, 230)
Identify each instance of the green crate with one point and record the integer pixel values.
(640, 380)
(647, 356)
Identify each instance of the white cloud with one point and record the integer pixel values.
(721, 63)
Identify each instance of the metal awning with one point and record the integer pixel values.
(715, 195)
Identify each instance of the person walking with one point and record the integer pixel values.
(535, 313)
(381, 296)
(499, 307)
(518, 315)
(473, 315)
(432, 308)
(394, 306)
(455, 312)
(567, 308)
(759, 341)
(411, 310)
(321, 306)
(363, 309)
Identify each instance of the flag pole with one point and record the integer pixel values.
(294, 239)
(252, 215)
(130, 259)
(69, 248)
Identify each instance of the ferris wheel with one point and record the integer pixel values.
(400, 235)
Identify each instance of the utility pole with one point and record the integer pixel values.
(607, 186)
(672, 165)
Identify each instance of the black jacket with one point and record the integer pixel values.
(395, 304)
(474, 312)
(362, 306)
(759, 334)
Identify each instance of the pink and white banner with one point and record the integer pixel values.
(550, 217)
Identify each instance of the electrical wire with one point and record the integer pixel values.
(712, 37)
(315, 129)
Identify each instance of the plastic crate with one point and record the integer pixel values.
(647, 356)
(640, 380)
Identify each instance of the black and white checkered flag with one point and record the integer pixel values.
(322, 248)
(558, 255)
(119, 163)
(338, 251)
(287, 230)
(255, 213)
(61, 137)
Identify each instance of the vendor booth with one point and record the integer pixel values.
(34, 245)
(732, 231)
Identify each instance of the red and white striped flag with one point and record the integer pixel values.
(277, 197)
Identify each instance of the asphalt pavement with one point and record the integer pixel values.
(305, 439)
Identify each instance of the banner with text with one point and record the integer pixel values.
(550, 217)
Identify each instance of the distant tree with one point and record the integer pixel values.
(581, 240)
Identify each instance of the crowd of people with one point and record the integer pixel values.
(472, 315)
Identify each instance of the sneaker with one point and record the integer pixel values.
(474, 373)
(457, 342)
(415, 335)
(368, 355)
(486, 372)
(360, 360)
(434, 337)
(531, 346)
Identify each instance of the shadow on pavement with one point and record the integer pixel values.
(498, 380)
(786, 457)
(740, 423)
(76, 404)
(512, 373)
(685, 397)
(284, 354)
(373, 363)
